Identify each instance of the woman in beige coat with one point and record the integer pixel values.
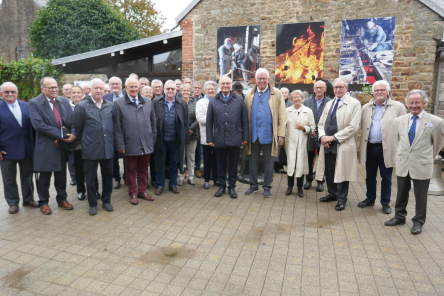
(300, 122)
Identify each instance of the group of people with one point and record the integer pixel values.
(162, 126)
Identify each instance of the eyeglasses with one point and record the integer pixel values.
(12, 92)
(338, 87)
(170, 88)
(262, 79)
(52, 88)
(379, 90)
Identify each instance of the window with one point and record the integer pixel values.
(135, 66)
(168, 61)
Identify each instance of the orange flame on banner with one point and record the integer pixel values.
(304, 61)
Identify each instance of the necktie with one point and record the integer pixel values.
(17, 113)
(135, 102)
(56, 113)
(412, 130)
(333, 112)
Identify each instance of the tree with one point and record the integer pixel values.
(67, 27)
(142, 15)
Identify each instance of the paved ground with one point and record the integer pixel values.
(196, 244)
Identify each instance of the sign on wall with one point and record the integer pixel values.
(299, 52)
(367, 50)
(238, 52)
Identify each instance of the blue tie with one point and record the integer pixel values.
(335, 107)
(412, 130)
(135, 102)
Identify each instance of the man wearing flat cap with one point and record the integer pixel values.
(238, 88)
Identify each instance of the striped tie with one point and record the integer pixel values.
(56, 113)
(412, 130)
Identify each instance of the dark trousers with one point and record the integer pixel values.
(172, 150)
(256, 148)
(210, 162)
(375, 159)
(59, 183)
(232, 152)
(72, 171)
(340, 190)
(9, 175)
(80, 175)
(310, 176)
(420, 189)
(299, 181)
(116, 167)
(153, 167)
(106, 168)
(137, 168)
(198, 156)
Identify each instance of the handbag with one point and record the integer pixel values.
(312, 141)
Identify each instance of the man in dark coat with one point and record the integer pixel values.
(93, 122)
(227, 128)
(172, 136)
(135, 135)
(49, 113)
(316, 104)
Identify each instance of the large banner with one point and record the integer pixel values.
(299, 52)
(367, 50)
(238, 52)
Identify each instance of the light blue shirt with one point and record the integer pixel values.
(375, 135)
(319, 102)
(173, 103)
(16, 111)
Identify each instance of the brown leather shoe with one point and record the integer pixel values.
(13, 209)
(45, 209)
(198, 173)
(133, 200)
(159, 190)
(174, 189)
(32, 204)
(289, 190)
(65, 205)
(185, 174)
(145, 196)
(116, 184)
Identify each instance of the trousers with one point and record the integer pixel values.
(9, 175)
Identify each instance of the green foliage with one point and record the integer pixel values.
(27, 74)
(67, 27)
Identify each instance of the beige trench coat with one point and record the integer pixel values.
(348, 117)
(392, 110)
(277, 107)
(296, 140)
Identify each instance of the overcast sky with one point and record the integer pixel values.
(170, 10)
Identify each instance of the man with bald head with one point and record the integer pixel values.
(16, 148)
(49, 113)
(86, 90)
(94, 125)
(67, 91)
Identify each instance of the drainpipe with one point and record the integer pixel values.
(438, 81)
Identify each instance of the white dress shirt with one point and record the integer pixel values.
(136, 98)
(16, 111)
(50, 104)
(99, 105)
(417, 120)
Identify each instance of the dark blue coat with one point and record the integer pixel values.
(15, 140)
(227, 122)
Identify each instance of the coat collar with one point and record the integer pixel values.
(389, 101)
(43, 99)
(139, 98)
(269, 87)
(90, 100)
(231, 95)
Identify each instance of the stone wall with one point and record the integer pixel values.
(415, 49)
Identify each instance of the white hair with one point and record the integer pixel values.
(6, 84)
(262, 70)
(178, 80)
(387, 85)
(423, 94)
(156, 81)
(284, 88)
(169, 81)
(115, 78)
(146, 87)
(342, 80)
(97, 80)
(129, 79)
(297, 91)
(210, 82)
(83, 86)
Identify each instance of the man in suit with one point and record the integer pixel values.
(16, 147)
(316, 104)
(420, 137)
(49, 113)
(66, 90)
(377, 148)
(115, 84)
(157, 87)
(338, 132)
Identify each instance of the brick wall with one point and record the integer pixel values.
(415, 49)
(187, 48)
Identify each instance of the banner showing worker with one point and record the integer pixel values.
(367, 50)
(299, 52)
(238, 53)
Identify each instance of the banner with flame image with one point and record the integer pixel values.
(299, 52)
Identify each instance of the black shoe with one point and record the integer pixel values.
(394, 222)
(340, 205)
(98, 196)
(232, 193)
(300, 192)
(81, 196)
(417, 228)
(386, 209)
(320, 187)
(92, 211)
(220, 192)
(366, 203)
(73, 182)
(108, 207)
(328, 198)
(154, 184)
(307, 185)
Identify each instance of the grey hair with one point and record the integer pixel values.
(144, 78)
(170, 81)
(178, 80)
(423, 94)
(85, 84)
(262, 70)
(128, 80)
(297, 91)
(96, 80)
(114, 78)
(325, 84)
(210, 82)
(284, 88)
(341, 79)
(6, 84)
(387, 85)
(156, 81)
(198, 83)
(146, 87)
(185, 85)
(66, 85)
(134, 74)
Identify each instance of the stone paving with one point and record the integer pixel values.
(195, 244)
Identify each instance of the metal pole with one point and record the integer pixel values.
(438, 82)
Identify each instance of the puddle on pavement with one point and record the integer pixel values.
(16, 279)
(165, 255)
(269, 229)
